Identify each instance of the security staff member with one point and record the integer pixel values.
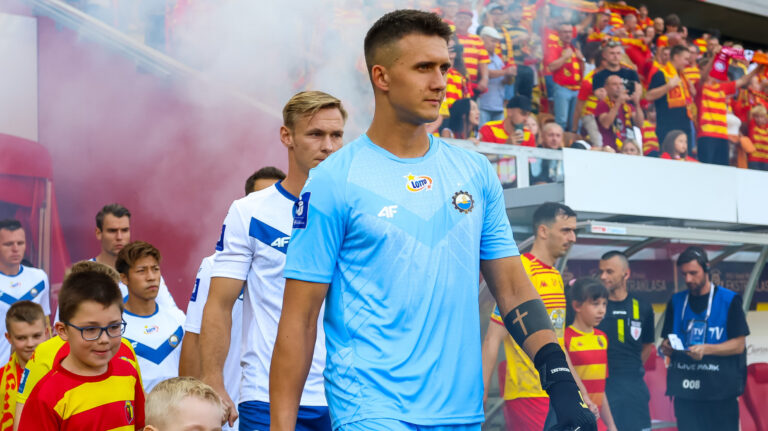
(628, 323)
(710, 373)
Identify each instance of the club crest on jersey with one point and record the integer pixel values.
(129, 413)
(558, 318)
(463, 202)
(635, 329)
(300, 210)
(174, 340)
(151, 329)
(417, 183)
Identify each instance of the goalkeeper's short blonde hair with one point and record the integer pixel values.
(162, 403)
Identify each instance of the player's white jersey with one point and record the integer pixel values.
(157, 341)
(232, 369)
(252, 247)
(29, 284)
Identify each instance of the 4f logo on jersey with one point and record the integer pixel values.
(281, 242)
(388, 211)
(417, 183)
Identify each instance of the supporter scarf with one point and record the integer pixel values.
(680, 96)
(626, 113)
(621, 9)
(9, 384)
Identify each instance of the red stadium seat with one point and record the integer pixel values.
(745, 417)
(756, 393)
(661, 406)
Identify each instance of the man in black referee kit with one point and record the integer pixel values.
(704, 334)
(628, 323)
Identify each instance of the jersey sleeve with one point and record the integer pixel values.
(45, 297)
(496, 240)
(35, 370)
(197, 299)
(164, 297)
(737, 321)
(139, 421)
(668, 320)
(598, 81)
(657, 80)
(37, 415)
(649, 331)
(235, 249)
(486, 135)
(319, 223)
(484, 57)
(496, 316)
(728, 88)
(585, 90)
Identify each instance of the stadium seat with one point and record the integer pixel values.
(756, 393)
(745, 417)
(661, 406)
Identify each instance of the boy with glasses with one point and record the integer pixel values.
(154, 330)
(55, 349)
(87, 389)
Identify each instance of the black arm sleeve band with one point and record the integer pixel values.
(527, 318)
(552, 366)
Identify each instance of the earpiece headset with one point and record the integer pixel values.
(699, 255)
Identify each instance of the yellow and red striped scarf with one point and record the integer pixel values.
(680, 96)
(9, 383)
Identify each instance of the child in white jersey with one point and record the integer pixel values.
(155, 331)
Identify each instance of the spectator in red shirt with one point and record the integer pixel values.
(565, 61)
(511, 130)
(712, 101)
(476, 58)
(616, 117)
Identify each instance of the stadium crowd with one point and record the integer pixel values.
(606, 76)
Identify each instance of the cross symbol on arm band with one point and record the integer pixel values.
(519, 319)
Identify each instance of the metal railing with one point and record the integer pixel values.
(515, 164)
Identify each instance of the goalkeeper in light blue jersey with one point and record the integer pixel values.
(394, 229)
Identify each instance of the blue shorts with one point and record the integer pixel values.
(396, 425)
(254, 416)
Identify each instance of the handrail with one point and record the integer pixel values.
(507, 150)
(149, 58)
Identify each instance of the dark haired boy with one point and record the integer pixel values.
(154, 330)
(391, 232)
(87, 389)
(26, 327)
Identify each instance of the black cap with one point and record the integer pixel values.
(521, 102)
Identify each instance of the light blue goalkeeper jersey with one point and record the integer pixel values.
(400, 242)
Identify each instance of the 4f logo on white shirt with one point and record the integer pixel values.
(281, 242)
(388, 211)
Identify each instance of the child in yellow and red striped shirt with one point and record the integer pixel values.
(86, 390)
(586, 346)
